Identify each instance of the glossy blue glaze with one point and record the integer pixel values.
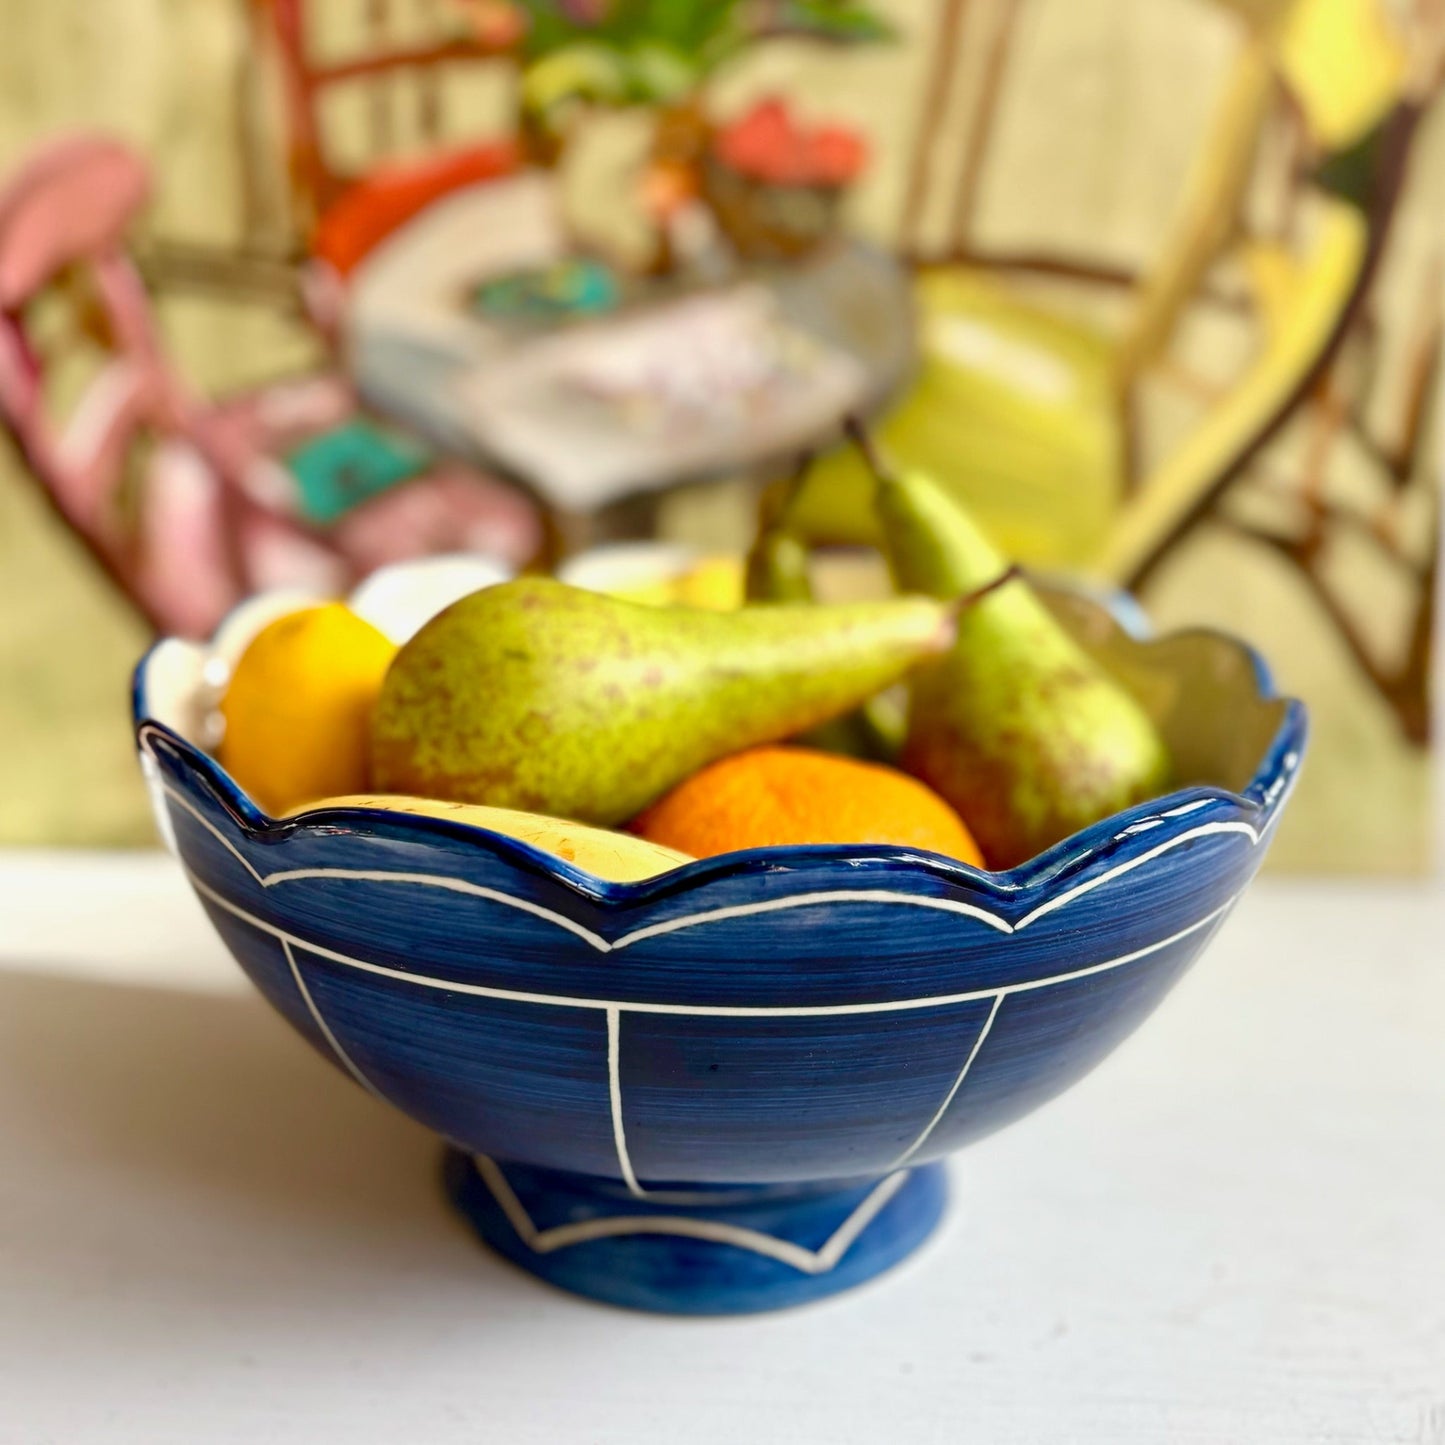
(790, 1026)
(794, 1245)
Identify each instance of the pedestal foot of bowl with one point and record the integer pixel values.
(720, 1251)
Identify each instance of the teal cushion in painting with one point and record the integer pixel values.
(344, 466)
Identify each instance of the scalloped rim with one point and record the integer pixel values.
(1259, 803)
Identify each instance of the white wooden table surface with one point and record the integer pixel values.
(1234, 1231)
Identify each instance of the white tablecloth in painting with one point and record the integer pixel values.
(629, 402)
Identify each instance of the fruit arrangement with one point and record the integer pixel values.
(630, 736)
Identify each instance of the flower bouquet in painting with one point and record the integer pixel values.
(766, 182)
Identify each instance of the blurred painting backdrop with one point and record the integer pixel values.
(1156, 284)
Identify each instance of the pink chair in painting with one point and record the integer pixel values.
(191, 505)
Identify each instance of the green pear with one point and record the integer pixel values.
(778, 567)
(778, 572)
(540, 696)
(1017, 726)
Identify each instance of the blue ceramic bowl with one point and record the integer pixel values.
(726, 1088)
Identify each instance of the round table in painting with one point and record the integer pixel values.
(643, 386)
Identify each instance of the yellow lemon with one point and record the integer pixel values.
(714, 582)
(615, 856)
(659, 574)
(298, 706)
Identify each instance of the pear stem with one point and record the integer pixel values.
(1010, 573)
(778, 499)
(857, 433)
(964, 601)
(797, 479)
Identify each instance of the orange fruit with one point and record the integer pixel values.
(781, 795)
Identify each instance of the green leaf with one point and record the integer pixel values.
(840, 21)
(700, 33)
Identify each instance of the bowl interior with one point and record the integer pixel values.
(1211, 695)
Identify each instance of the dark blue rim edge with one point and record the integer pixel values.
(1144, 825)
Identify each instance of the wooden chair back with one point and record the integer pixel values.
(411, 47)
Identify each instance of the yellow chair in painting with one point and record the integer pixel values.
(1026, 409)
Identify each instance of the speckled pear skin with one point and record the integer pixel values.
(1016, 726)
(541, 696)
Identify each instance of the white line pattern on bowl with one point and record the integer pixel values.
(805, 1261)
(701, 1010)
(614, 1009)
(342, 1056)
(741, 910)
(948, 1098)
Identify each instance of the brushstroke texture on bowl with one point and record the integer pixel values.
(726, 1088)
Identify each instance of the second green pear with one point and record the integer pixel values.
(777, 571)
(1017, 727)
(540, 696)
